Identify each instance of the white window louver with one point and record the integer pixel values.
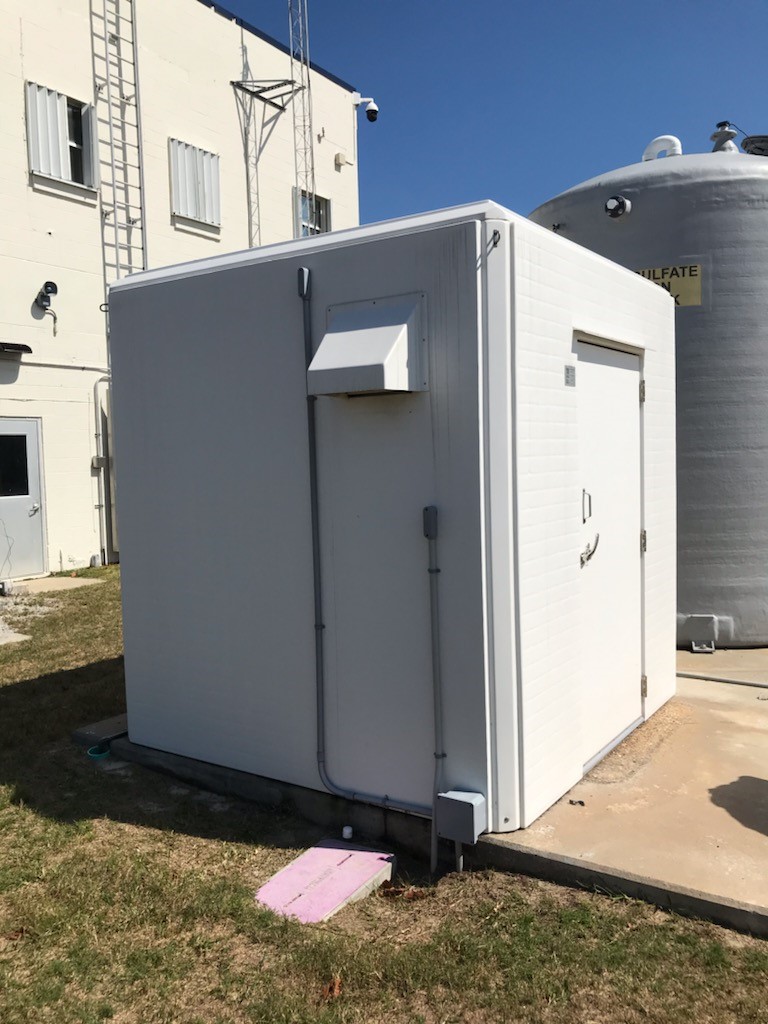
(194, 183)
(48, 141)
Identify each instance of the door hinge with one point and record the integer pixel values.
(643, 542)
(642, 390)
(643, 686)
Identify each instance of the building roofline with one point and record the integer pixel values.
(274, 42)
(483, 210)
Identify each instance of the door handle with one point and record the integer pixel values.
(34, 508)
(589, 551)
(586, 506)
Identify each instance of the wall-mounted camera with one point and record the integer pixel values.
(43, 299)
(371, 106)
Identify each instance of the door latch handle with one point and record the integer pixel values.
(34, 508)
(589, 551)
(586, 506)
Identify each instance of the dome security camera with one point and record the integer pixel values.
(372, 111)
(617, 206)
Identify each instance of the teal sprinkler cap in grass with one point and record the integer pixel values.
(99, 751)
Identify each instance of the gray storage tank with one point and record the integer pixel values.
(698, 225)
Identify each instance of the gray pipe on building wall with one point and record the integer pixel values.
(698, 225)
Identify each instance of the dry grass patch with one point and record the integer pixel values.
(127, 897)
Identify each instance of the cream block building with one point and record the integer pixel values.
(133, 134)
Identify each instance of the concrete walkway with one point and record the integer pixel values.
(683, 801)
(52, 584)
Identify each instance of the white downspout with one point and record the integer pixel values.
(102, 469)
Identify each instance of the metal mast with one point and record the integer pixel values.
(304, 154)
(274, 94)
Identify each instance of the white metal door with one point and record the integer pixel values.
(608, 384)
(21, 513)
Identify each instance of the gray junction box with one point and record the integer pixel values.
(466, 360)
(461, 816)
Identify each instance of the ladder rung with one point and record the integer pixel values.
(112, 33)
(121, 226)
(121, 186)
(122, 206)
(105, 55)
(120, 61)
(128, 248)
(122, 142)
(120, 120)
(115, 76)
(115, 105)
(113, 14)
(123, 223)
(112, 36)
(101, 79)
(123, 163)
(118, 102)
(117, 186)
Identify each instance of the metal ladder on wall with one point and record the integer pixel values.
(119, 155)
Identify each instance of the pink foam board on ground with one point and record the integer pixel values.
(324, 879)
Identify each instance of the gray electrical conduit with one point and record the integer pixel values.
(722, 679)
(430, 532)
(330, 785)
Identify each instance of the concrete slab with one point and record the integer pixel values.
(749, 664)
(676, 815)
(682, 803)
(324, 879)
(52, 584)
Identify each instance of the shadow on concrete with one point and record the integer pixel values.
(746, 800)
(48, 773)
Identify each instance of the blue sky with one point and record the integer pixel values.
(515, 100)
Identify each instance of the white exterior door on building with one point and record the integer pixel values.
(608, 384)
(21, 513)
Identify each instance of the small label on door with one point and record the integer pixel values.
(570, 376)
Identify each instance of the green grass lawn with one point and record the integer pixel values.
(127, 897)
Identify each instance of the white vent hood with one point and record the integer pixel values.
(370, 347)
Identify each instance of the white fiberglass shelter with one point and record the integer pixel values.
(466, 360)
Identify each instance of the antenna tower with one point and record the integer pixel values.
(304, 154)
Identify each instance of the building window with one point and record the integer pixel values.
(14, 474)
(313, 216)
(194, 183)
(61, 136)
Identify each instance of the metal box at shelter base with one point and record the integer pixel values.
(467, 360)
(460, 816)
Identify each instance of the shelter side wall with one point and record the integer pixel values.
(214, 505)
(562, 290)
(211, 450)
